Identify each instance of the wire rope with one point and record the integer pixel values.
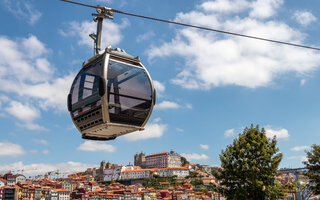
(198, 27)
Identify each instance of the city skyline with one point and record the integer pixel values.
(210, 86)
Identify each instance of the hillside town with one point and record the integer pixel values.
(164, 175)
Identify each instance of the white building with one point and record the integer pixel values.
(163, 160)
(2, 182)
(137, 174)
(207, 180)
(148, 173)
(173, 171)
(14, 179)
(113, 174)
(60, 194)
(68, 185)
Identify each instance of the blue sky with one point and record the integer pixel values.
(210, 86)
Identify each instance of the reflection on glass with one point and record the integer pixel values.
(85, 88)
(129, 93)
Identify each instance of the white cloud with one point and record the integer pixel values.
(166, 105)
(146, 36)
(23, 60)
(229, 133)
(156, 120)
(204, 146)
(33, 151)
(32, 126)
(160, 87)
(25, 113)
(179, 130)
(3, 99)
(52, 94)
(265, 8)
(213, 59)
(104, 1)
(279, 133)
(40, 141)
(25, 71)
(22, 112)
(301, 158)
(96, 146)
(304, 17)
(24, 10)
(45, 151)
(152, 130)
(300, 148)
(10, 149)
(42, 168)
(111, 32)
(189, 106)
(303, 82)
(225, 6)
(195, 156)
(34, 49)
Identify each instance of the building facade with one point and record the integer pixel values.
(136, 174)
(163, 160)
(114, 173)
(3, 182)
(14, 179)
(173, 171)
(140, 160)
(60, 194)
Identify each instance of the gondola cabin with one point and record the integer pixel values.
(112, 95)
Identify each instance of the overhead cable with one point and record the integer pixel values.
(199, 27)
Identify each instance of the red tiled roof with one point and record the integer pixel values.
(208, 178)
(7, 187)
(164, 183)
(138, 170)
(173, 168)
(156, 154)
(60, 190)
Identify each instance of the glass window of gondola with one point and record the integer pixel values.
(129, 93)
(84, 90)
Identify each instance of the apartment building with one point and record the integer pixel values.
(173, 171)
(163, 160)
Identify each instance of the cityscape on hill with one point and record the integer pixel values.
(159, 100)
(163, 175)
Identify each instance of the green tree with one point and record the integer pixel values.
(250, 167)
(184, 161)
(313, 166)
(196, 182)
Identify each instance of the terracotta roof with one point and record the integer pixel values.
(16, 186)
(164, 183)
(7, 187)
(173, 168)
(156, 154)
(137, 170)
(60, 190)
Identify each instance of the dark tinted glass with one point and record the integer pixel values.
(129, 93)
(84, 90)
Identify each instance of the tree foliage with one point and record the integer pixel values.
(313, 166)
(184, 161)
(250, 167)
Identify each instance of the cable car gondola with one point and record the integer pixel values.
(113, 94)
